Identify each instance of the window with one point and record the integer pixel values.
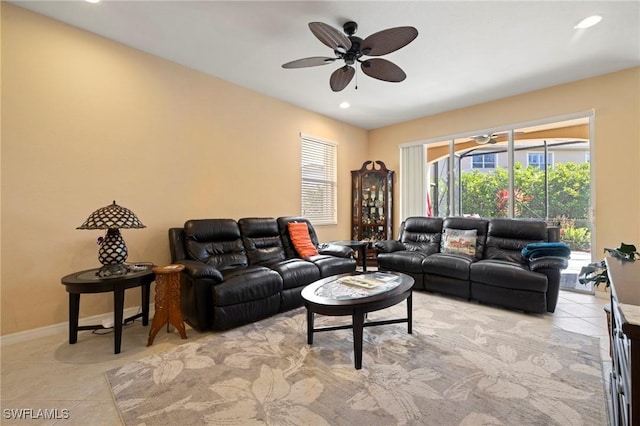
(587, 157)
(536, 159)
(484, 161)
(319, 180)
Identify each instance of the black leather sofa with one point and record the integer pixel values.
(239, 272)
(496, 273)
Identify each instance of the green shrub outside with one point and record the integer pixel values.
(483, 194)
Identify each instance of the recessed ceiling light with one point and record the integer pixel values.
(93, 1)
(588, 22)
(345, 105)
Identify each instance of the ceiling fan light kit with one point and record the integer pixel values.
(350, 49)
(482, 139)
(493, 137)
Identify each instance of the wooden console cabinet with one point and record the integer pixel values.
(625, 341)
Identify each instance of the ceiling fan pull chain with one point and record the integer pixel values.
(356, 78)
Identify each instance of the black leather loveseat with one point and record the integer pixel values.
(483, 260)
(239, 272)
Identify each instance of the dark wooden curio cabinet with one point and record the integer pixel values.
(372, 205)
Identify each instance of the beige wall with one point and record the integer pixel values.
(615, 99)
(86, 121)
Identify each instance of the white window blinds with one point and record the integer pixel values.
(319, 180)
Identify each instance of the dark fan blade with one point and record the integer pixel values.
(341, 77)
(383, 70)
(330, 36)
(387, 41)
(309, 62)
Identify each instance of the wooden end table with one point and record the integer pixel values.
(167, 309)
(88, 281)
(361, 246)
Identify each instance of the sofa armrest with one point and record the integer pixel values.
(548, 262)
(335, 250)
(550, 266)
(389, 246)
(196, 270)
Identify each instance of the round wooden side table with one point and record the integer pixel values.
(167, 301)
(90, 282)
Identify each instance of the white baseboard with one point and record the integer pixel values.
(63, 327)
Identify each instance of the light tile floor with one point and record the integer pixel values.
(48, 373)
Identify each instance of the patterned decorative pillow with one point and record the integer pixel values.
(461, 241)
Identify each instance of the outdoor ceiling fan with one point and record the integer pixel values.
(490, 138)
(484, 139)
(351, 49)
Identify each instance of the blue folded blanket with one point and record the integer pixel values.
(535, 250)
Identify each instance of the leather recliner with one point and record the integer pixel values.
(219, 288)
(262, 241)
(240, 272)
(496, 274)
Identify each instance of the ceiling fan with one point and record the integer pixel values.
(485, 139)
(350, 49)
(490, 138)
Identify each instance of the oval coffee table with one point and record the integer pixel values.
(357, 294)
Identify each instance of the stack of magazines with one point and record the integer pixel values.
(368, 280)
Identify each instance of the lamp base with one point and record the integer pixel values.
(112, 271)
(112, 251)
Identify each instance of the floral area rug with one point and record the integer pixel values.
(464, 364)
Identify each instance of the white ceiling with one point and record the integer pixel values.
(466, 53)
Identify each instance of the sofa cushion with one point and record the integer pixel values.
(507, 237)
(261, 240)
(216, 242)
(422, 234)
(402, 261)
(296, 272)
(448, 265)
(243, 285)
(331, 265)
(460, 241)
(505, 274)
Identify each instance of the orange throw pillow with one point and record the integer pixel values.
(299, 234)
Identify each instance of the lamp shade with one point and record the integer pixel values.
(112, 216)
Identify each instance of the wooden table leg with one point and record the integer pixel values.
(118, 313)
(358, 328)
(74, 312)
(161, 315)
(410, 312)
(175, 314)
(363, 252)
(146, 295)
(309, 326)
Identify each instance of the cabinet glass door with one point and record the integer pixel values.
(371, 209)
